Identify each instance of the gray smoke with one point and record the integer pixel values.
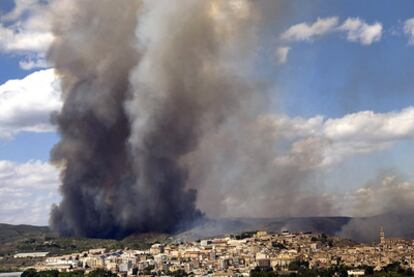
(143, 82)
(240, 175)
(387, 201)
(163, 119)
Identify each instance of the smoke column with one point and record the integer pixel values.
(143, 83)
(163, 120)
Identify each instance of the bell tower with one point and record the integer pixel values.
(382, 236)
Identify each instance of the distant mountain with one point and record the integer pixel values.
(33, 238)
(215, 227)
(9, 233)
(26, 238)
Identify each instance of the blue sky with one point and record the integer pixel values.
(27, 146)
(333, 77)
(326, 75)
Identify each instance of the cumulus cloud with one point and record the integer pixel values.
(22, 39)
(305, 31)
(282, 54)
(409, 30)
(27, 191)
(26, 104)
(360, 31)
(376, 127)
(335, 139)
(26, 31)
(356, 29)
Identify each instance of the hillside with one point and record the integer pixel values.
(26, 238)
(10, 233)
(215, 227)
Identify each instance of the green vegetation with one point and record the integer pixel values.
(278, 245)
(298, 265)
(300, 268)
(101, 273)
(54, 273)
(24, 238)
(148, 270)
(394, 269)
(323, 239)
(263, 272)
(245, 235)
(12, 232)
(177, 273)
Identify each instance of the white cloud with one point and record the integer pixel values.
(409, 30)
(305, 31)
(26, 104)
(376, 127)
(359, 31)
(333, 140)
(27, 191)
(282, 54)
(23, 39)
(26, 31)
(293, 127)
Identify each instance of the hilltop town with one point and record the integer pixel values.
(241, 255)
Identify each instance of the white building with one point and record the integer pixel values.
(31, 255)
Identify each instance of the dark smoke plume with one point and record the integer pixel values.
(143, 82)
(163, 119)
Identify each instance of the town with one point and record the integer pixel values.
(241, 255)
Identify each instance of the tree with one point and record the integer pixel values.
(101, 273)
(278, 245)
(77, 273)
(178, 273)
(31, 272)
(48, 273)
(262, 272)
(298, 265)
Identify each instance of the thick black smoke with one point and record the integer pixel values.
(142, 82)
(160, 103)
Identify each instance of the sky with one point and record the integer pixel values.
(338, 71)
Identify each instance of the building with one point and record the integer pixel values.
(356, 272)
(382, 236)
(31, 255)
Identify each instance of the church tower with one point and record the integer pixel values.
(382, 236)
